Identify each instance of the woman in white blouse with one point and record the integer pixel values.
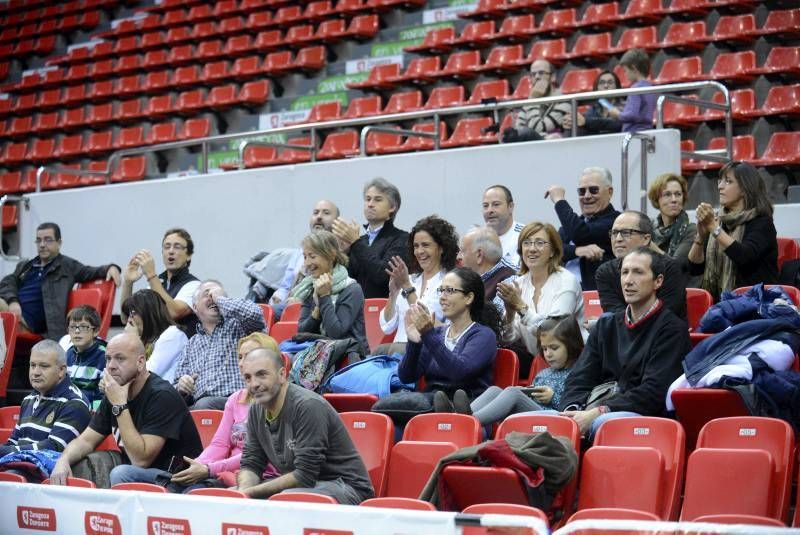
(543, 288)
(433, 248)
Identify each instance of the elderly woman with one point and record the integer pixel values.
(333, 303)
(542, 289)
(673, 233)
(738, 246)
(432, 248)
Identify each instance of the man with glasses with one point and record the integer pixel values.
(585, 236)
(175, 284)
(632, 230)
(544, 119)
(38, 290)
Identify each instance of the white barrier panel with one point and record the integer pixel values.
(648, 527)
(27, 508)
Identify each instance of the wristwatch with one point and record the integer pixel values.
(116, 410)
(716, 232)
(405, 292)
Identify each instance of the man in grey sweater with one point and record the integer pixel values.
(300, 434)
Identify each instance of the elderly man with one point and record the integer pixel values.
(482, 252)
(175, 284)
(38, 290)
(300, 435)
(632, 230)
(640, 348)
(208, 370)
(145, 414)
(586, 240)
(543, 119)
(54, 414)
(498, 214)
(369, 253)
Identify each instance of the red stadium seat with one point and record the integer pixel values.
(781, 150)
(781, 60)
(214, 72)
(310, 59)
(337, 145)
(399, 503)
(416, 143)
(608, 513)
(517, 29)
(783, 100)
(444, 97)
(297, 36)
(99, 142)
(558, 22)
(378, 77)
(419, 71)
(459, 429)
(783, 23)
(576, 81)
(735, 28)
(129, 137)
(363, 27)
(486, 9)
(383, 143)
(600, 16)
(207, 421)
(255, 93)
(75, 482)
(351, 402)
(8, 477)
(190, 102)
(476, 35)
(645, 38)
(307, 497)
(372, 434)
(69, 147)
(141, 487)
(218, 493)
(502, 60)
(404, 102)
(470, 132)
(256, 156)
(278, 63)
(592, 47)
(695, 407)
(788, 249)
(686, 36)
(372, 311)
(698, 301)
(130, 169)
(364, 107)
(411, 464)
(751, 520)
(283, 330)
(744, 149)
(743, 106)
(156, 82)
(735, 67)
(436, 41)
(676, 70)
(165, 132)
(268, 40)
(490, 89)
(642, 12)
(9, 415)
(41, 150)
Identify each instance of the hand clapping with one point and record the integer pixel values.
(323, 285)
(398, 274)
(511, 295)
(706, 219)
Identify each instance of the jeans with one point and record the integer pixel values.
(127, 473)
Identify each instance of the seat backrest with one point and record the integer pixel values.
(372, 311)
(506, 368)
(141, 487)
(404, 101)
(666, 436)
(222, 493)
(268, 313)
(579, 80)
(108, 291)
(206, 421)
(506, 509)
(628, 477)
(308, 497)
(411, 464)
(591, 304)
(751, 432)
(85, 296)
(9, 415)
(283, 330)
(291, 312)
(697, 302)
(714, 480)
(788, 249)
(460, 429)
(611, 513)
(10, 328)
(373, 434)
(399, 503)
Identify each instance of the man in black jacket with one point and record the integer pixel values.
(641, 348)
(585, 236)
(38, 290)
(630, 231)
(369, 253)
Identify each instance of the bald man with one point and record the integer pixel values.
(146, 415)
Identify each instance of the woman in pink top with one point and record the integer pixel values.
(220, 460)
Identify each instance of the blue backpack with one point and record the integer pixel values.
(375, 375)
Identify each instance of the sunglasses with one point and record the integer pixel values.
(594, 190)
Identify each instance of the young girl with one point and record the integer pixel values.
(560, 342)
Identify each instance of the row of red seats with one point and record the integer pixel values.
(781, 150)
(637, 11)
(129, 169)
(733, 67)
(16, 13)
(59, 25)
(730, 28)
(780, 100)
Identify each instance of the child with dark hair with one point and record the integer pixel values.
(560, 343)
(638, 111)
(86, 359)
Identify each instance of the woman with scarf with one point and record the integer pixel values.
(738, 246)
(673, 233)
(333, 303)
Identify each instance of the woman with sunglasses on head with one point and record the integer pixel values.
(459, 355)
(737, 246)
(543, 288)
(163, 340)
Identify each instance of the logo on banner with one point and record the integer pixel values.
(317, 531)
(158, 525)
(36, 518)
(96, 523)
(243, 529)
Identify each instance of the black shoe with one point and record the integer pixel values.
(461, 402)
(441, 403)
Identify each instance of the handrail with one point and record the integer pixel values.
(3, 200)
(573, 98)
(648, 147)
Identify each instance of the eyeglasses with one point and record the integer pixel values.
(534, 74)
(173, 246)
(594, 190)
(626, 233)
(671, 194)
(80, 328)
(47, 240)
(449, 291)
(536, 244)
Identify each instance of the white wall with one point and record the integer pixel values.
(231, 216)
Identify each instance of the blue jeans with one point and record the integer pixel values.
(127, 473)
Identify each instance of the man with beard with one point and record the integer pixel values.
(300, 435)
(208, 369)
(148, 418)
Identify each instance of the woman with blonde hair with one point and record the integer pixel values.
(543, 288)
(672, 231)
(333, 303)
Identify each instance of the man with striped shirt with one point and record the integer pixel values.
(55, 412)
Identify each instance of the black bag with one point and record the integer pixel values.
(600, 394)
(402, 406)
(514, 135)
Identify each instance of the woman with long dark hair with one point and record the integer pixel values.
(163, 341)
(459, 355)
(738, 246)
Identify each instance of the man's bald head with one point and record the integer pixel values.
(273, 357)
(127, 342)
(481, 249)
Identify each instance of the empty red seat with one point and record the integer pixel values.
(517, 29)
(364, 107)
(267, 40)
(287, 15)
(576, 81)
(681, 114)
(734, 67)
(476, 35)
(378, 77)
(415, 143)
(593, 46)
(736, 28)
(299, 35)
(486, 9)
(444, 97)
(246, 68)
(162, 133)
(383, 143)
(643, 12)
(129, 110)
(339, 145)
(41, 150)
(214, 72)
(469, 132)
(645, 38)
(324, 111)
(403, 102)
(781, 150)
(99, 142)
(419, 71)
(186, 76)
(743, 106)
(178, 55)
(781, 23)
(676, 70)
(436, 41)
(502, 60)
(330, 31)
(278, 63)
(157, 82)
(552, 50)
(69, 146)
(74, 94)
(257, 156)
(255, 93)
(72, 119)
(782, 60)
(363, 27)
(558, 22)
(318, 10)
(45, 122)
(782, 100)
(490, 89)
(744, 149)
(600, 16)
(310, 59)
(190, 102)
(159, 106)
(460, 65)
(209, 50)
(130, 169)
(100, 114)
(286, 156)
(127, 86)
(129, 137)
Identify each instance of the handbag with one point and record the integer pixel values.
(600, 394)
